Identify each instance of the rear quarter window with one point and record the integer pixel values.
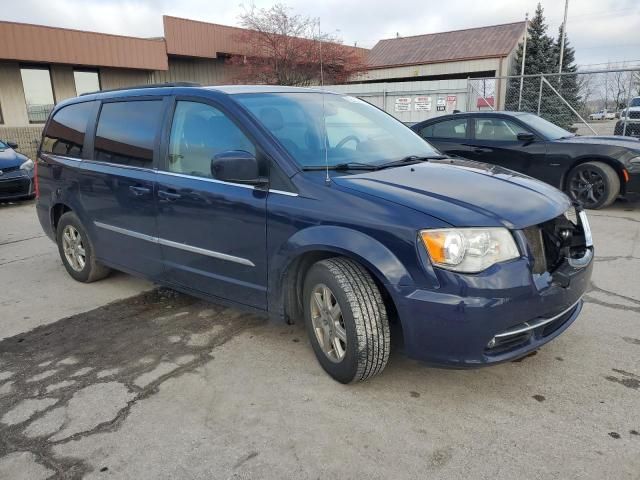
(127, 132)
(66, 131)
(456, 128)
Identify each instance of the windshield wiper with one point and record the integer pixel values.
(411, 159)
(343, 166)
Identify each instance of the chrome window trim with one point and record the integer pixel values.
(173, 174)
(170, 243)
(206, 179)
(535, 324)
(283, 192)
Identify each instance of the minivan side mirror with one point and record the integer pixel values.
(237, 166)
(526, 137)
(13, 145)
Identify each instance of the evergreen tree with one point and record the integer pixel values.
(567, 85)
(539, 59)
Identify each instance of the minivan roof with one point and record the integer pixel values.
(185, 87)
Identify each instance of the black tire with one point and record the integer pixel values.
(594, 184)
(618, 129)
(363, 317)
(91, 270)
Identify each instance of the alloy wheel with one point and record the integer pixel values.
(588, 186)
(328, 323)
(73, 248)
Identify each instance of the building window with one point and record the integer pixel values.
(38, 93)
(86, 81)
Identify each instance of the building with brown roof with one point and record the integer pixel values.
(474, 52)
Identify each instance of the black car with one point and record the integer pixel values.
(16, 173)
(591, 170)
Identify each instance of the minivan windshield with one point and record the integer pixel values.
(546, 128)
(3, 145)
(635, 102)
(352, 131)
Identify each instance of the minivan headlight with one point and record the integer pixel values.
(469, 250)
(27, 166)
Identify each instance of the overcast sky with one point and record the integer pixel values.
(600, 30)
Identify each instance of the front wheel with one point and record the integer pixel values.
(594, 184)
(346, 320)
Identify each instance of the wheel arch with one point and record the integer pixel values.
(286, 283)
(616, 165)
(56, 211)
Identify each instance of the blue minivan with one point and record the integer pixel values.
(306, 204)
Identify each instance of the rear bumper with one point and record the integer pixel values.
(497, 316)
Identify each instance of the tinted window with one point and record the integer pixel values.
(546, 128)
(498, 129)
(38, 93)
(66, 130)
(198, 133)
(127, 131)
(456, 128)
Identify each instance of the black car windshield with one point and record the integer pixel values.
(356, 133)
(546, 128)
(635, 102)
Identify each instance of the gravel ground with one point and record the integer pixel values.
(97, 383)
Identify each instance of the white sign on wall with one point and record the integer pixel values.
(441, 102)
(452, 101)
(422, 103)
(403, 107)
(403, 99)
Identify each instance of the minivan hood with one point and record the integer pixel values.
(464, 193)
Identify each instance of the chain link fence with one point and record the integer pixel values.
(591, 103)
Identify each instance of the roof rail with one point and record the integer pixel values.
(148, 85)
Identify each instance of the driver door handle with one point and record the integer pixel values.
(168, 195)
(481, 150)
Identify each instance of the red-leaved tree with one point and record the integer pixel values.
(285, 49)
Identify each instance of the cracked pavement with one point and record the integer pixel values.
(120, 380)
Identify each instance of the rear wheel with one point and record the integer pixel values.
(594, 184)
(76, 250)
(346, 320)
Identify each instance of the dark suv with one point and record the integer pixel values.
(303, 203)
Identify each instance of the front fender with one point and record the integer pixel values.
(368, 251)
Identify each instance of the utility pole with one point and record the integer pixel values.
(524, 55)
(564, 34)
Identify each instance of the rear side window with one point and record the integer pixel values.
(456, 128)
(66, 130)
(127, 132)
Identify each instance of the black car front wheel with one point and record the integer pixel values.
(593, 184)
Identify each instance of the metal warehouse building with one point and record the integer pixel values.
(419, 77)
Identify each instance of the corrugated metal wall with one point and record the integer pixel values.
(36, 43)
(202, 71)
(404, 100)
